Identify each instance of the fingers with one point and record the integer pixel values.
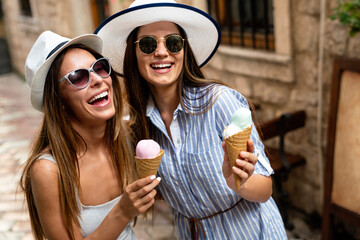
(226, 158)
(250, 146)
(245, 166)
(148, 190)
(139, 196)
(138, 184)
(226, 167)
(241, 173)
(142, 186)
(225, 152)
(223, 146)
(146, 195)
(249, 157)
(146, 201)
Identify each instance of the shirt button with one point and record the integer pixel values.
(178, 141)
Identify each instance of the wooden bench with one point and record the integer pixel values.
(281, 161)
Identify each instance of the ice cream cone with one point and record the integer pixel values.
(146, 167)
(234, 145)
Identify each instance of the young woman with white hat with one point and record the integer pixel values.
(159, 46)
(79, 180)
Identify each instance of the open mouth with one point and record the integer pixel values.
(99, 99)
(161, 66)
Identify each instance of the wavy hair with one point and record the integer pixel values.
(138, 91)
(58, 138)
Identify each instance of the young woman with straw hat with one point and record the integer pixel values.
(159, 46)
(79, 180)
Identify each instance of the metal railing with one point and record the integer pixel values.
(247, 23)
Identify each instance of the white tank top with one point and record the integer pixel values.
(92, 216)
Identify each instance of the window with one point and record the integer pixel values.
(246, 23)
(25, 8)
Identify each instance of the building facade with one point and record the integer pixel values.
(294, 73)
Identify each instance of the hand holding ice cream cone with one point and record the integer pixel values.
(236, 136)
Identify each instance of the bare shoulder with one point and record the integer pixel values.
(45, 190)
(44, 172)
(44, 185)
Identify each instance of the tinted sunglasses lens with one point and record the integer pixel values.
(174, 43)
(148, 45)
(102, 68)
(79, 78)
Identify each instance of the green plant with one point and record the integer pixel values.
(348, 14)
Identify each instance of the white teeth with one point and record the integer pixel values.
(101, 95)
(161, 65)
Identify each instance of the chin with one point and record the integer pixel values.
(109, 114)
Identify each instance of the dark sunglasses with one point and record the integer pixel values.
(80, 78)
(173, 43)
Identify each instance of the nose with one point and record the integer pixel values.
(161, 48)
(95, 79)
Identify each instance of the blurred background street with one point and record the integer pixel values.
(18, 122)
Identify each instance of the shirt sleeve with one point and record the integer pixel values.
(227, 102)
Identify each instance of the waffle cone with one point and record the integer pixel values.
(148, 166)
(234, 145)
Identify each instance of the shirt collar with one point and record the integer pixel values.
(151, 106)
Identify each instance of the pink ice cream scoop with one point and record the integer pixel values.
(147, 148)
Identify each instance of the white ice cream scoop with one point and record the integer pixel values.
(240, 120)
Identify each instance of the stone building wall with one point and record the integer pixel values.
(61, 17)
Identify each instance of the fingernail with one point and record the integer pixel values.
(152, 177)
(158, 178)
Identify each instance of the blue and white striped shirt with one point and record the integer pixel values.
(191, 171)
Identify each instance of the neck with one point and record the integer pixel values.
(92, 135)
(166, 100)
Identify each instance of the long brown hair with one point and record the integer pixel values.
(58, 138)
(138, 91)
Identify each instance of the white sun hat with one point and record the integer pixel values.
(43, 53)
(202, 31)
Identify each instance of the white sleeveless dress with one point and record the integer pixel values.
(92, 216)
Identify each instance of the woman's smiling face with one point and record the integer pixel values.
(160, 68)
(93, 103)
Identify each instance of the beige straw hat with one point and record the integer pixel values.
(43, 53)
(202, 30)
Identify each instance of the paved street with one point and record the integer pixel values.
(18, 122)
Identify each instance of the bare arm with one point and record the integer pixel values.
(136, 199)
(254, 187)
